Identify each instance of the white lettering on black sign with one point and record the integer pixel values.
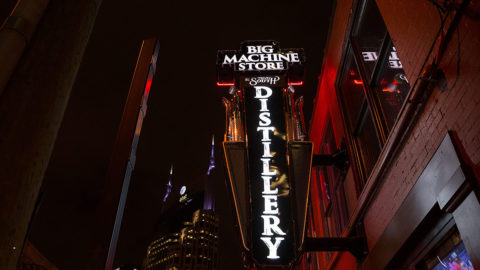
(261, 57)
(272, 234)
(263, 80)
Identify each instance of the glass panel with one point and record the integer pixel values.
(392, 87)
(368, 143)
(455, 260)
(324, 189)
(352, 90)
(342, 206)
(370, 33)
(450, 254)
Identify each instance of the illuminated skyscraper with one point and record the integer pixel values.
(195, 247)
(187, 236)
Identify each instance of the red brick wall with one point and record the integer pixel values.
(413, 24)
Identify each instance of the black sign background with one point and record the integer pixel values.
(278, 149)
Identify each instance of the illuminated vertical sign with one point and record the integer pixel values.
(270, 191)
(256, 144)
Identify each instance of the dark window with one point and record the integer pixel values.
(367, 141)
(353, 91)
(370, 34)
(391, 86)
(372, 87)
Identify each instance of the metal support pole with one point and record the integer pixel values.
(355, 245)
(31, 111)
(338, 159)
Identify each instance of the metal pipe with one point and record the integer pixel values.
(355, 245)
(300, 122)
(228, 116)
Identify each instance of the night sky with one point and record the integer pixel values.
(184, 110)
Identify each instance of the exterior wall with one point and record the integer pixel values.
(456, 109)
(412, 40)
(413, 26)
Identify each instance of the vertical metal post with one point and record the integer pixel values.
(123, 157)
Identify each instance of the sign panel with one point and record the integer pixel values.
(259, 75)
(260, 56)
(276, 80)
(272, 236)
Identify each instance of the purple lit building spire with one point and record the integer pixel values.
(211, 166)
(209, 200)
(169, 185)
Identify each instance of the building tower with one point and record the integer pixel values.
(209, 199)
(211, 166)
(169, 185)
(191, 240)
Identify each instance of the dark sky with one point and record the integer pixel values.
(184, 110)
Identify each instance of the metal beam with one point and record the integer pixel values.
(356, 245)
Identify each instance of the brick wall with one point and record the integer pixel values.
(412, 25)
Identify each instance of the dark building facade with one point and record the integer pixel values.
(399, 92)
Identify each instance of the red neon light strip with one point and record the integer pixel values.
(357, 82)
(295, 83)
(147, 87)
(225, 84)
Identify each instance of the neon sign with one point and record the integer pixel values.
(271, 222)
(270, 188)
(260, 57)
(263, 124)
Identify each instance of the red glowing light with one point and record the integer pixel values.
(295, 83)
(357, 82)
(225, 84)
(147, 87)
